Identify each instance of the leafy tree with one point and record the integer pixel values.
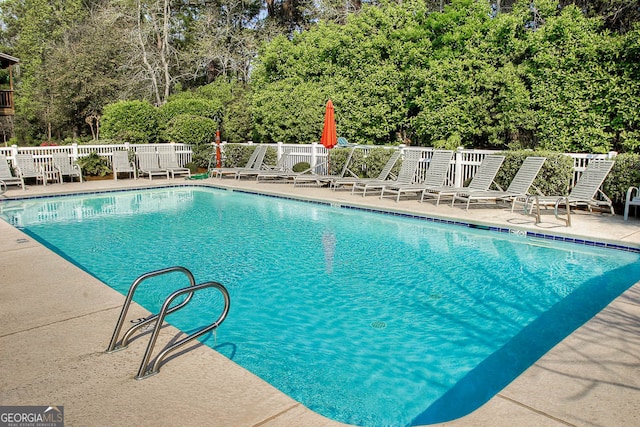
(33, 27)
(571, 75)
(85, 63)
(498, 73)
(290, 111)
(228, 103)
(617, 15)
(225, 39)
(294, 78)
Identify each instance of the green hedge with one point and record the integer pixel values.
(237, 155)
(202, 155)
(193, 106)
(94, 165)
(337, 157)
(371, 164)
(190, 129)
(624, 174)
(130, 121)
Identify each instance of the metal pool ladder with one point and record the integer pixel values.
(146, 370)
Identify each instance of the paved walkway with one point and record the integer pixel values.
(56, 320)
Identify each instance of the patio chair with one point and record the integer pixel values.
(6, 177)
(439, 165)
(584, 193)
(517, 190)
(481, 181)
(149, 164)
(405, 176)
(254, 163)
(120, 163)
(169, 161)
(382, 176)
(65, 166)
(633, 199)
(26, 167)
(321, 179)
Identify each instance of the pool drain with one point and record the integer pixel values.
(378, 324)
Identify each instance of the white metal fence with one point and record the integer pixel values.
(463, 166)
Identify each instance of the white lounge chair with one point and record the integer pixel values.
(6, 177)
(65, 166)
(382, 176)
(439, 165)
(405, 176)
(321, 179)
(517, 190)
(120, 163)
(271, 172)
(149, 164)
(584, 193)
(169, 161)
(26, 167)
(481, 181)
(254, 163)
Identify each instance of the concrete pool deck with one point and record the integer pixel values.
(57, 320)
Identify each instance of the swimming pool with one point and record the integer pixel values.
(365, 318)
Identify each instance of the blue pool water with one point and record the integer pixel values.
(366, 318)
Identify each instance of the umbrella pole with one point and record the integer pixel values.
(218, 151)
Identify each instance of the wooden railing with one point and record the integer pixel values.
(6, 103)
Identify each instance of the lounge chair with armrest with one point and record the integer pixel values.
(481, 181)
(518, 188)
(439, 165)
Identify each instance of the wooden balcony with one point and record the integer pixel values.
(6, 103)
(6, 96)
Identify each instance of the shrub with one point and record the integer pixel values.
(192, 166)
(624, 174)
(192, 106)
(130, 121)
(271, 156)
(337, 157)
(94, 165)
(301, 167)
(202, 155)
(190, 129)
(369, 166)
(237, 155)
(553, 179)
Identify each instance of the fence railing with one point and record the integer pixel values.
(463, 166)
(42, 155)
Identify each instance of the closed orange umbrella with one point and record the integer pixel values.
(329, 135)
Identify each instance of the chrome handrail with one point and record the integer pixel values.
(143, 372)
(113, 344)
